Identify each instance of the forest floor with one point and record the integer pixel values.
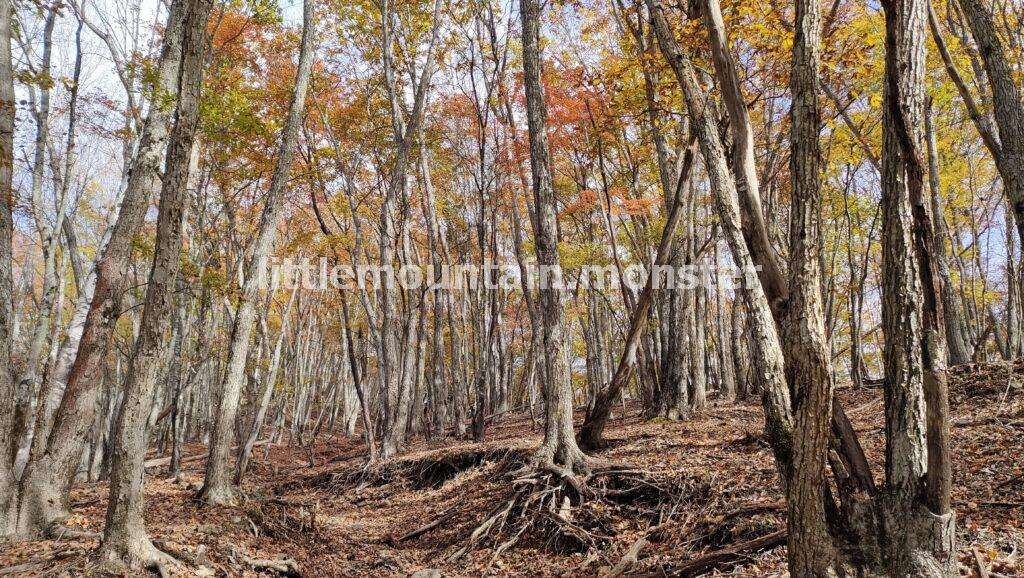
(708, 485)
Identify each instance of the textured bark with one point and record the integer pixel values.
(48, 477)
(810, 548)
(125, 543)
(559, 446)
(217, 487)
(957, 336)
(1007, 107)
(7, 481)
(755, 230)
(698, 349)
(919, 524)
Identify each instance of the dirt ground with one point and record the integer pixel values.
(707, 484)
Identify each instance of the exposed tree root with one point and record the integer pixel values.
(138, 553)
(419, 473)
(283, 566)
(627, 562)
(548, 506)
(295, 522)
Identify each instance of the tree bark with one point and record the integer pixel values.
(7, 113)
(125, 543)
(765, 343)
(919, 523)
(394, 360)
(810, 549)
(1007, 107)
(217, 486)
(957, 336)
(559, 447)
(48, 477)
(755, 230)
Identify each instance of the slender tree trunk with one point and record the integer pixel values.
(559, 447)
(393, 361)
(125, 542)
(726, 368)
(7, 391)
(593, 427)
(957, 338)
(755, 230)
(29, 381)
(53, 386)
(765, 344)
(1007, 106)
(217, 487)
(269, 381)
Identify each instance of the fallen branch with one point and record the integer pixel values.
(982, 570)
(721, 557)
(627, 561)
(424, 529)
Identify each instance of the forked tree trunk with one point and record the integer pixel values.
(765, 344)
(125, 543)
(919, 524)
(218, 487)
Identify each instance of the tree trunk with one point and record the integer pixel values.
(7, 392)
(48, 477)
(559, 446)
(1007, 107)
(755, 230)
(125, 543)
(810, 549)
(270, 380)
(916, 510)
(957, 337)
(726, 368)
(217, 487)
